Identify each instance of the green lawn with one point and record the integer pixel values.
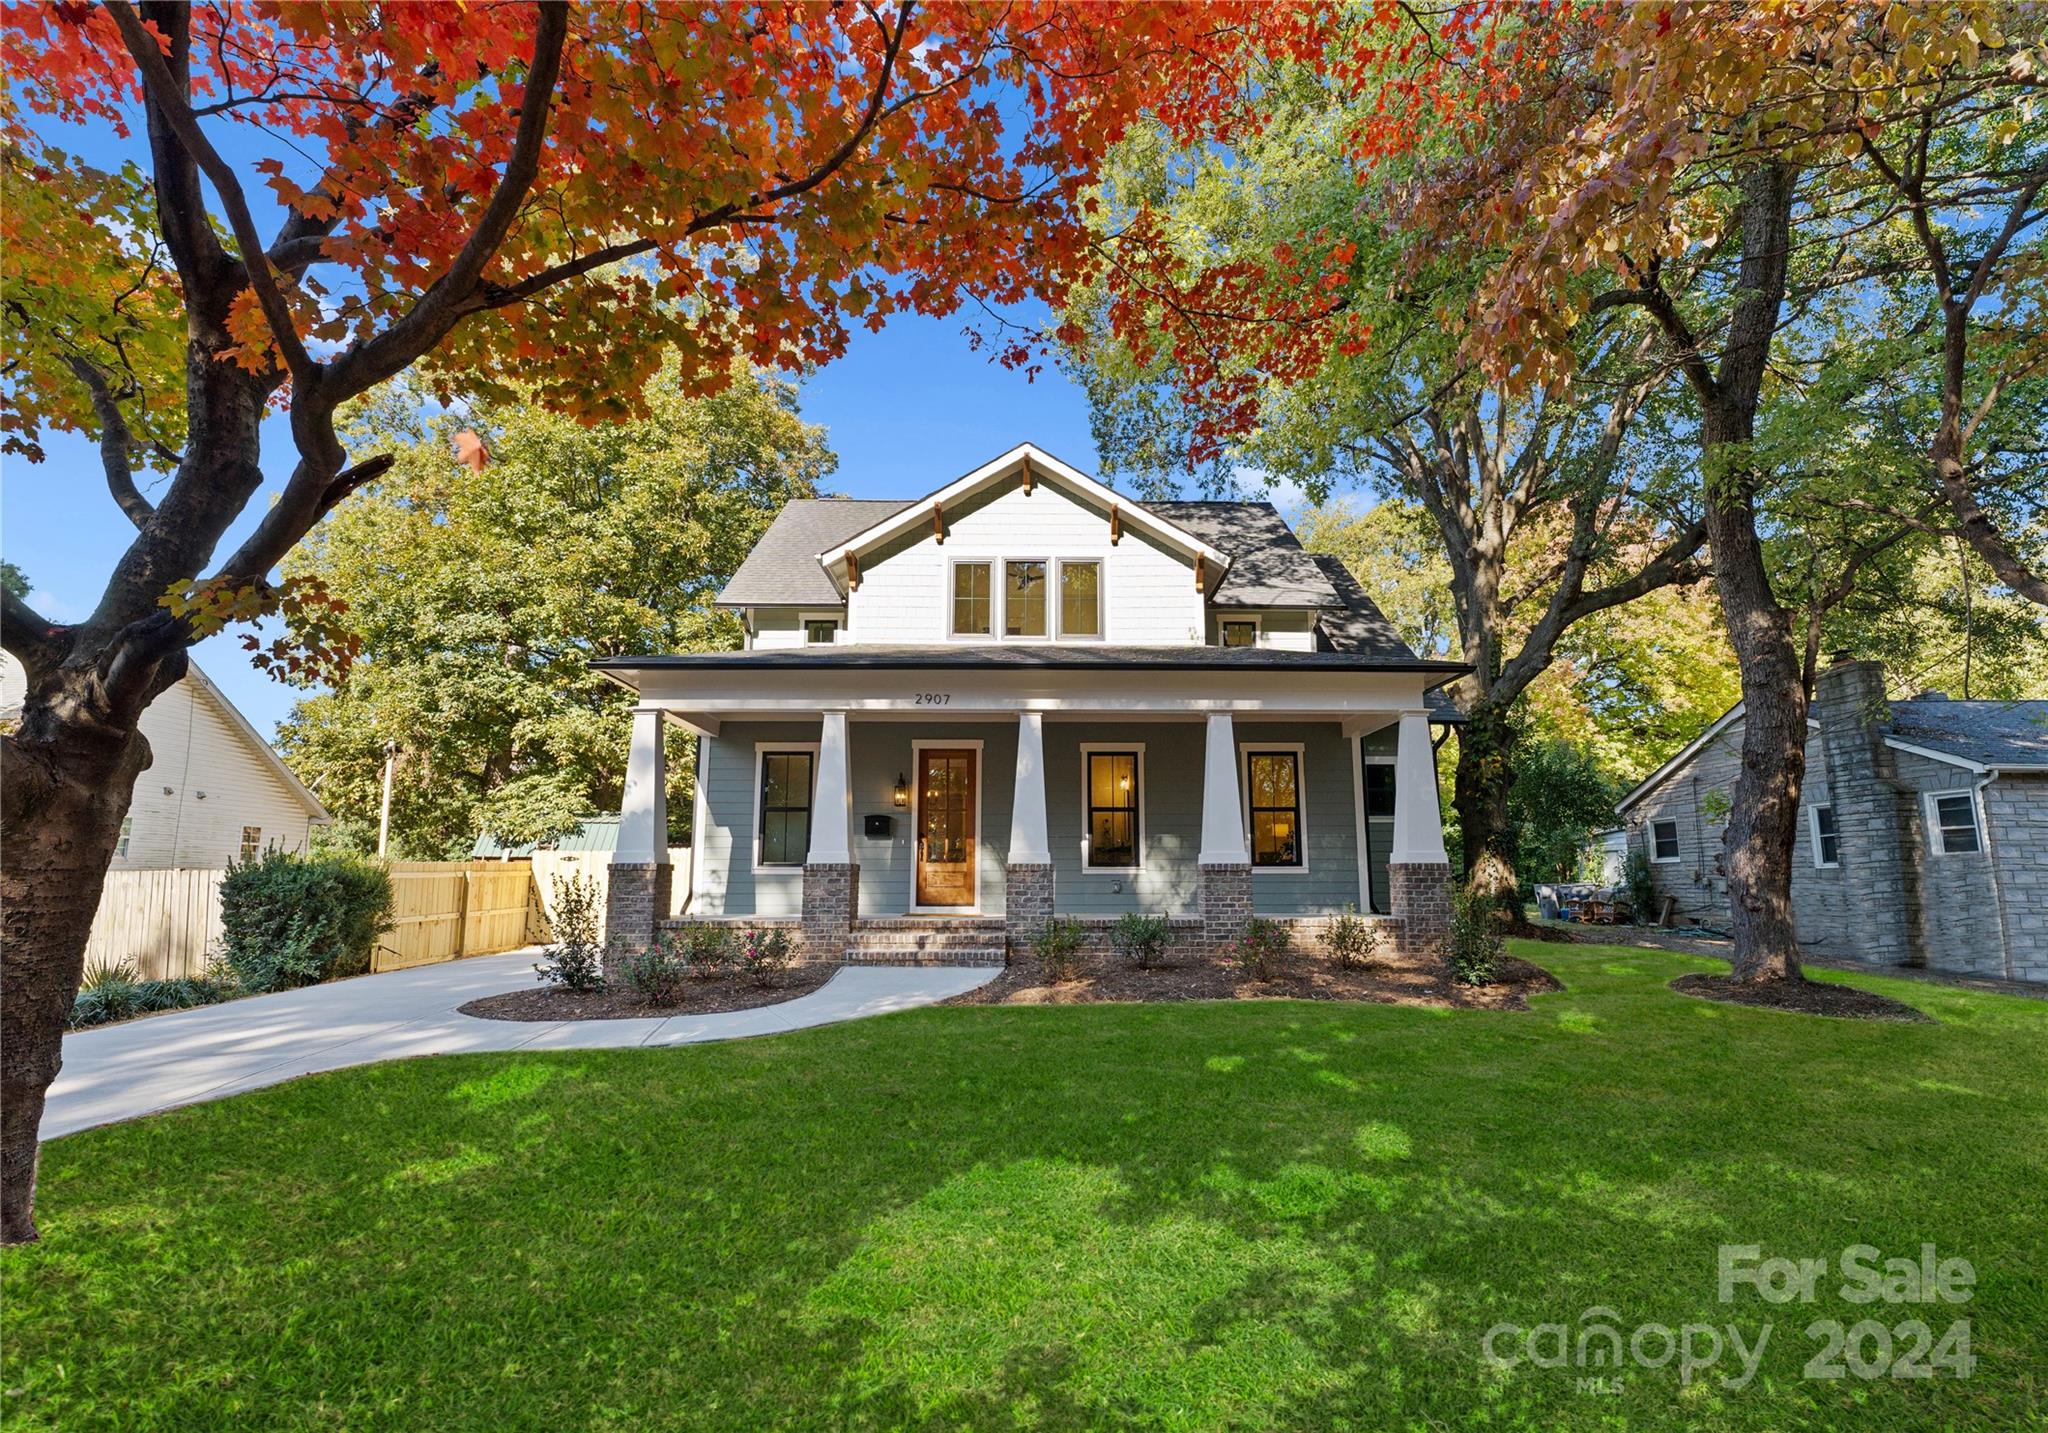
(1189, 1216)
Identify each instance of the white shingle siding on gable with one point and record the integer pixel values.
(196, 749)
(1148, 597)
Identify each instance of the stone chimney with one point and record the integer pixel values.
(1850, 708)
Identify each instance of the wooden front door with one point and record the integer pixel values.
(946, 814)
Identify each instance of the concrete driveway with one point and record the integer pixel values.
(183, 1057)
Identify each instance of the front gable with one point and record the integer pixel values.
(899, 581)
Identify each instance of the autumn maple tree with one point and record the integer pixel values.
(527, 195)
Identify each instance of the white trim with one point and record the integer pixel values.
(1138, 837)
(1059, 607)
(953, 564)
(1813, 836)
(1685, 754)
(1949, 758)
(1043, 465)
(761, 750)
(1244, 796)
(1650, 830)
(917, 746)
(1258, 626)
(1937, 840)
(297, 788)
(805, 618)
(1359, 761)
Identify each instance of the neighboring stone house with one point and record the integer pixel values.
(214, 791)
(1923, 832)
(1026, 694)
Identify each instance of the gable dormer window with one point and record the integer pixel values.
(971, 609)
(1239, 632)
(1080, 599)
(1024, 598)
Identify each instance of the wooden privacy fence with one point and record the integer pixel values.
(167, 923)
(445, 910)
(164, 923)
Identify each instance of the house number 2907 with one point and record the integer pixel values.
(934, 699)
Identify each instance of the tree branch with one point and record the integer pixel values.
(116, 444)
(167, 97)
(36, 642)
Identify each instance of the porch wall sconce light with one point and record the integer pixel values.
(901, 795)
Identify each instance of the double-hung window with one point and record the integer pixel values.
(783, 835)
(1664, 842)
(1952, 823)
(1024, 598)
(1273, 806)
(972, 610)
(821, 630)
(1080, 598)
(1113, 779)
(1827, 838)
(252, 842)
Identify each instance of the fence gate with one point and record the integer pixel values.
(445, 910)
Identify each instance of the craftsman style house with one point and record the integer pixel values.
(1023, 695)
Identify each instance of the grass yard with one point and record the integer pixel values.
(1190, 1216)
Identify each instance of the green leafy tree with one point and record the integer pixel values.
(481, 597)
(1559, 799)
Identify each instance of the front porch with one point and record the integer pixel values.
(884, 833)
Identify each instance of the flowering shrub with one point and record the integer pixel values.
(1256, 954)
(764, 954)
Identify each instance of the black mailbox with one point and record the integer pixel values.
(878, 828)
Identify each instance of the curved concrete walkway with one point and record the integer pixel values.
(186, 1056)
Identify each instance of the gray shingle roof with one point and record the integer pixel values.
(1988, 733)
(1356, 625)
(1268, 567)
(783, 569)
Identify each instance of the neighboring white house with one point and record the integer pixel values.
(1025, 694)
(214, 791)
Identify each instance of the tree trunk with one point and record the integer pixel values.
(1479, 793)
(68, 784)
(1764, 817)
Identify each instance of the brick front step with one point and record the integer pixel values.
(926, 940)
(858, 956)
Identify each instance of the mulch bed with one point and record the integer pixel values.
(1805, 997)
(700, 997)
(1395, 980)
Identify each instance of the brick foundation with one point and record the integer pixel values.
(1421, 899)
(1027, 903)
(831, 905)
(636, 899)
(1225, 896)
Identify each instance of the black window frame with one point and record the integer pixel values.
(1134, 809)
(1253, 810)
(831, 626)
(762, 809)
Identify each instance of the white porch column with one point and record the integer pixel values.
(643, 815)
(834, 799)
(637, 886)
(1223, 868)
(1418, 870)
(1028, 843)
(1027, 872)
(1222, 811)
(1418, 819)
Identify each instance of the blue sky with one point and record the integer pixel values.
(906, 409)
